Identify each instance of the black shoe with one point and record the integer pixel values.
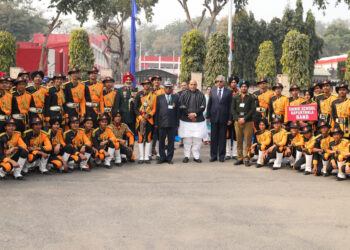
(70, 170)
(228, 158)
(158, 158)
(131, 160)
(222, 160)
(181, 145)
(340, 179)
(140, 161)
(124, 160)
(274, 168)
(307, 172)
(247, 164)
(170, 162)
(46, 173)
(4, 177)
(24, 173)
(254, 160)
(118, 165)
(259, 166)
(325, 174)
(238, 163)
(185, 160)
(213, 159)
(148, 162)
(160, 161)
(86, 169)
(234, 157)
(108, 166)
(18, 178)
(198, 160)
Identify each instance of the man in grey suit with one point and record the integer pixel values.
(219, 113)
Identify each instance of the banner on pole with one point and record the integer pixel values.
(302, 113)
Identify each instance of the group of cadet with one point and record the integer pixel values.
(81, 124)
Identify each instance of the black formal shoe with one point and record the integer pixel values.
(213, 159)
(238, 163)
(140, 162)
(148, 162)
(340, 179)
(46, 173)
(124, 160)
(181, 145)
(108, 166)
(228, 158)
(258, 165)
(274, 168)
(131, 160)
(86, 169)
(185, 160)
(160, 161)
(158, 158)
(118, 164)
(307, 172)
(198, 160)
(247, 164)
(170, 162)
(234, 157)
(222, 160)
(19, 178)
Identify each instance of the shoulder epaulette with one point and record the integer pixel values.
(28, 87)
(94, 132)
(67, 131)
(43, 131)
(2, 134)
(65, 83)
(318, 136)
(27, 131)
(288, 133)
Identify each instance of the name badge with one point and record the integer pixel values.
(241, 105)
(170, 106)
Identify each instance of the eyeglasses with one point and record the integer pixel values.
(218, 81)
(168, 87)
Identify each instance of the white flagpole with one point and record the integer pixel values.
(230, 37)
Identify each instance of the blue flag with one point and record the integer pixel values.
(133, 41)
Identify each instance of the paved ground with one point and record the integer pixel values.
(183, 206)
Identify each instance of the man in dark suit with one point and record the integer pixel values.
(219, 113)
(167, 121)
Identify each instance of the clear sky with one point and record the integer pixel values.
(168, 11)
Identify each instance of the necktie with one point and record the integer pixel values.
(219, 96)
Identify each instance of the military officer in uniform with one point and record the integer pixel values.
(324, 102)
(124, 101)
(279, 103)
(339, 109)
(38, 93)
(262, 102)
(109, 95)
(6, 102)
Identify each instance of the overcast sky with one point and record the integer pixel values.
(168, 11)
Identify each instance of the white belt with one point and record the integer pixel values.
(36, 110)
(341, 120)
(72, 105)
(324, 116)
(55, 108)
(4, 117)
(278, 116)
(92, 104)
(259, 109)
(18, 116)
(107, 110)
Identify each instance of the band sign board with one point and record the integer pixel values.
(302, 113)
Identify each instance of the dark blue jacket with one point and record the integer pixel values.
(219, 111)
(165, 117)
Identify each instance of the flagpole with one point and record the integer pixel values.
(230, 38)
(133, 41)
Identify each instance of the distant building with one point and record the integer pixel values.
(330, 62)
(170, 64)
(28, 53)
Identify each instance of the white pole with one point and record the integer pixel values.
(140, 62)
(230, 37)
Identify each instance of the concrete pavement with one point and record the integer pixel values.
(180, 206)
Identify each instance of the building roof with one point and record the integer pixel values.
(331, 59)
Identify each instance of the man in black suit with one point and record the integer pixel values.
(219, 113)
(167, 121)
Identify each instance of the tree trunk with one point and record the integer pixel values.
(210, 25)
(52, 26)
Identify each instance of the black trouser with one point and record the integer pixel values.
(155, 137)
(131, 126)
(218, 140)
(164, 133)
(125, 151)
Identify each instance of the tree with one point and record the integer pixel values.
(347, 69)
(80, 8)
(7, 51)
(336, 39)
(298, 21)
(20, 22)
(265, 66)
(216, 58)
(340, 71)
(316, 43)
(80, 53)
(111, 16)
(214, 7)
(193, 54)
(295, 58)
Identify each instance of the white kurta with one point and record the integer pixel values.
(193, 129)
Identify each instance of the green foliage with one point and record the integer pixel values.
(7, 51)
(336, 38)
(265, 66)
(80, 53)
(20, 22)
(248, 34)
(216, 59)
(193, 54)
(295, 58)
(347, 69)
(340, 72)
